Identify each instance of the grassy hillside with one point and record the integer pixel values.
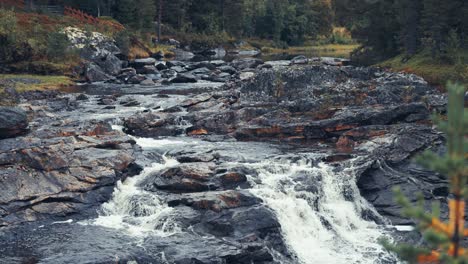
(435, 71)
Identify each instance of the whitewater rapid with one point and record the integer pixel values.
(323, 224)
(319, 208)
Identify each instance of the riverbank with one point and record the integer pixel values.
(435, 71)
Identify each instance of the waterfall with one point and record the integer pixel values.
(320, 211)
(318, 205)
(135, 210)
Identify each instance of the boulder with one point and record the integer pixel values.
(55, 172)
(13, 122)
(228, 69)
(148, 69)
(136, 79)
(153, 125)
(110, 64)
(94, 73)
(147, 82)
(169, 73)
(174, 63)
(301, 59)
(201, 71)
(126, 74)
(173, 42)
(82, 97)
(178, 69)
(140, 63)
(161, 66)
(184, 78)
(246, 63)
(158, 55)
(96, 42)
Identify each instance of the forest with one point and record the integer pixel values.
(384, 28)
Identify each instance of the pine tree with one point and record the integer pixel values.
(125, 12)
(410, 19)
(436, 16)
(443, 240)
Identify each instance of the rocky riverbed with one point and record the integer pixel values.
(287, 164)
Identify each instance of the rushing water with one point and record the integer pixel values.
(322, 224)
(317, 205)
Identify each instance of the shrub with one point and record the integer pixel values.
(122, 40)
(58, 46)
(8, 34)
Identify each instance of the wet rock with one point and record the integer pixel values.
(168, 73)
(299, 60)
(82, 97)
(215, 201)
(178, 69)
(94, 73)
(264, 66)
(129, 102)
(158, 55)
(126, 74)
(203, 64)
(161, 66)
(153, 125)
(201, 71)
(147, 82)
(171, 64)
(107, 100)
(228, 69)
(58, 174)
(136, 79)
(148, 69)
(221, 77)
(185, 178)
(246, 63)
(140, 63)
(110, 64)
(13, 122)
(184, 78)
(334, 61)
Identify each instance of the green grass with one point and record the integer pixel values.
(435, 71)
(49, 82)
(328, 50)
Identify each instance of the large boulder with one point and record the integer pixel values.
(94, 73)
(13, 122)
(96, 48)
(53, 172)
(95, 41)
(110, 64)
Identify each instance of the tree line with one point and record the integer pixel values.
(284, 21)
(385, 28)
(389, 27)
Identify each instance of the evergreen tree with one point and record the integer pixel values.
(125, 12)
(410, 19)
(443, 240)
(436, 24)
(145, 15)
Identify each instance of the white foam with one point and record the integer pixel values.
(404, 228)
(319, 227)
(136, 211)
